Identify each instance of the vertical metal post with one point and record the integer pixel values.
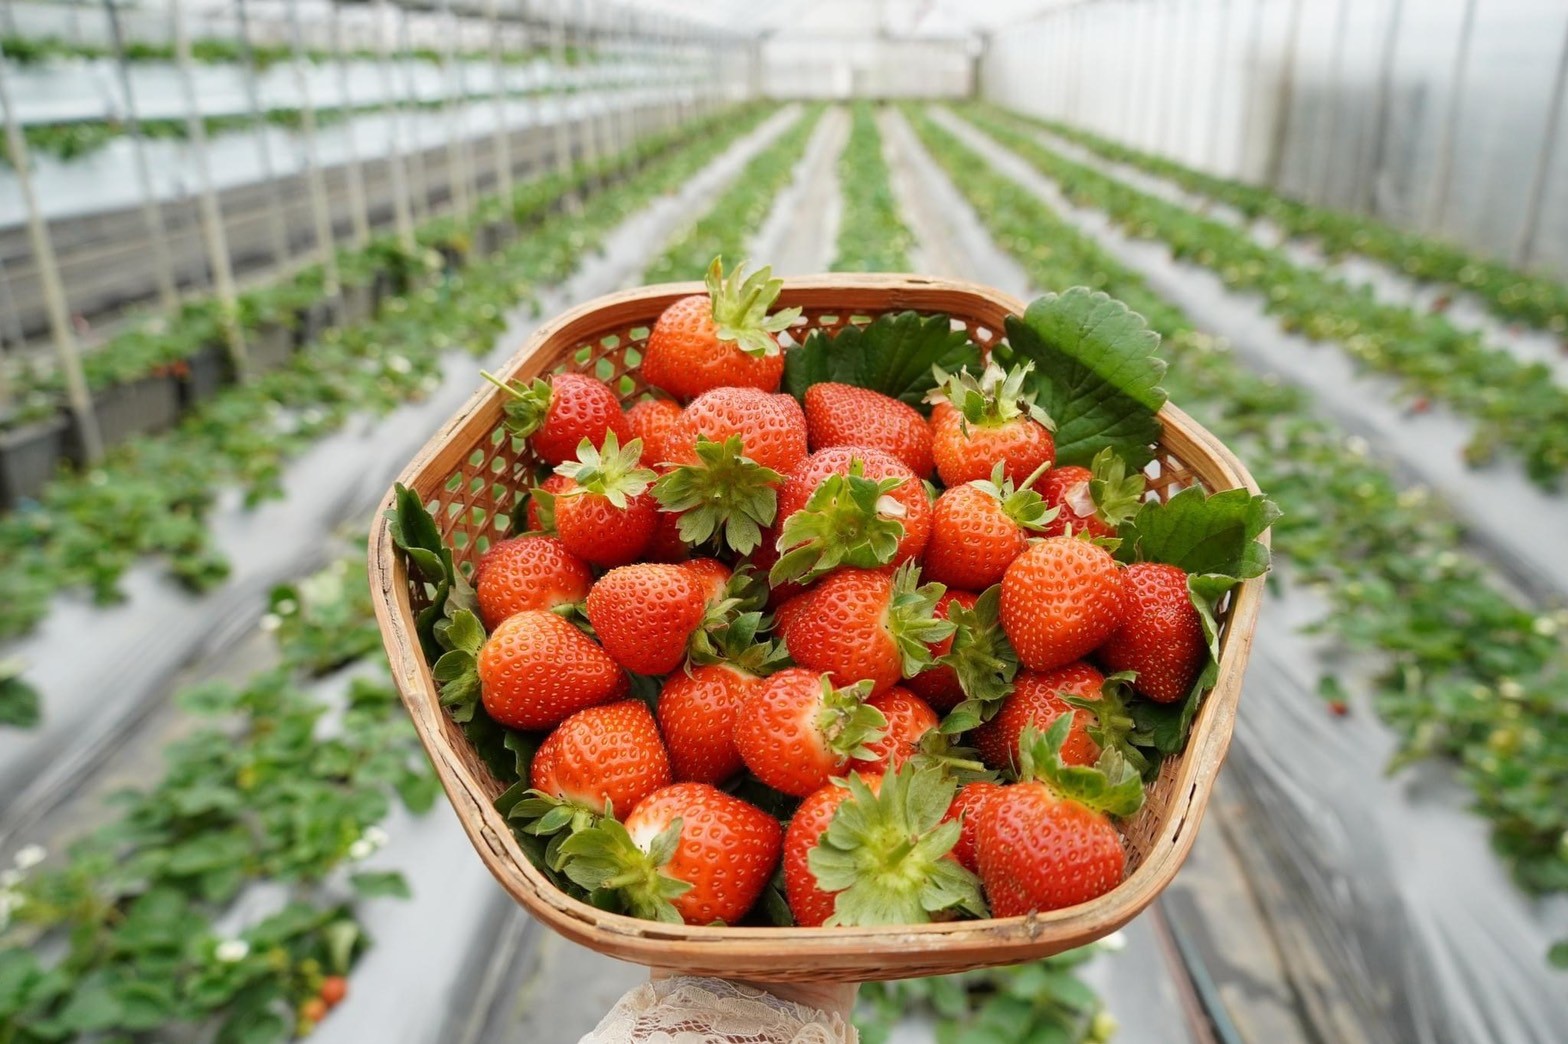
(458, 182)
(353, 172)
(1367, 184)
(1286, 101)
(418, 182)
(1524, 245)
(1442, 178)
(1329, 121)
(76, 392)
(1154, 105)
(402, 212)
(563, 141)
(502, 141)
(258, 117)
(321, 214)
(1221, 63)
(152, 210)
(1249, 91)
(211, 215)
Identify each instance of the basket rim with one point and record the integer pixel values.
(989, 941)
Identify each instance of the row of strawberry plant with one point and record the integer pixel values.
(152, 495)
(1467, 672)
(1517, 296)
(123, 936)
(735, 216)
(37, 50)
(1516, 405)
(872, 237)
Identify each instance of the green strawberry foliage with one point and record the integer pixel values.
(527, 405)
(912, 619)
(740, 308)
(982, 658)
(893, 354)
(725, 497)
(613, 471)
(19, 703)
(847, 721)
(606, 861)
(998, 396)
(1116, 493)
(885, 854)
(1111, 785)
(1114, 721)
(1019, 502)
(849, 521)
(1095, 372)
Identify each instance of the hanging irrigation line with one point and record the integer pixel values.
(1329, 103)
(1442, 178)
(456, 166)
(1382, 118)
(1529, 229)
(563, 143)
(1220, 64)
(502, 144)
(316, 184)
(353, 172)
(402, 213)
(1286, 100)
(64, 337)
(281, 251)
(418, 181)
(1249, 91)
(211, 215)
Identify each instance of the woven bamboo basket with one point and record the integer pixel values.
(471, 472)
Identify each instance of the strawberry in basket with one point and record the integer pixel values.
(928, 637)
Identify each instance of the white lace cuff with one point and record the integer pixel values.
(690, 1010)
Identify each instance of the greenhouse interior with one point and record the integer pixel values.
(1272, 275)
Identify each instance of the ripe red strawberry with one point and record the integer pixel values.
(810, 904)
(978, 528)
(535, 669)
(711, 576)
(1161, 634)
(876, 514)
(862, 624)
(646, 613)
(557, 413)
(654, 421)
(527, 572)
(971, 800)
(720, 494)
(1036, 703)
(1047, 843)
(602, 758)
(1060, 600)
(1093, 500)
(541, 503)
(844, 415)
(606, 516)
(723, 338)
(938, 684)
(772, 428)
(697, 711)
(977, 423)
(688, 852)
(797, 730)
(908, 720)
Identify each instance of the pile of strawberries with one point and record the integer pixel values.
(880, 661)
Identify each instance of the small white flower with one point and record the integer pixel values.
(286, 607)
(1509, 689)
(31, 856)
(361, 849)
(376, 836)
(1545, 626)
(232, 951)
(398, 364)
(1447, 560)
(1356, 446)
(1116, 942)
(271, 622)
(10, 879)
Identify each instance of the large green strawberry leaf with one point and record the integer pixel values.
(1202, 533)
(19, 703)
(892, 354)
(1095, 373)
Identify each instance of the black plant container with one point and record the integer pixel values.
(359, 303)
(314, 319)
(144, 406)
(269, 346)
(207, 372)
(29, 457)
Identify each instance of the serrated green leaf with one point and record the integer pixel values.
(381, 884)
(1202, 533)
(1096, 373)
(892, 354)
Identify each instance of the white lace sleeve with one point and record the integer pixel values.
(690, 1010)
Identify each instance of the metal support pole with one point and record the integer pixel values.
(1442, 178)
(211, 216)
(1216, 111)
(502, 144)
(1524, 246)
(563, 141)
(1329, 121)
(353, 172)
(418, 182)
(152, 210)
(258, 117)
(1381, 117)
(402, 212)
(457, 167)
(1287, 99)
(76, 393)
(1249, 91)
(321, 213)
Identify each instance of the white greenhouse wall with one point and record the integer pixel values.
(802, 66)
(1362, 126)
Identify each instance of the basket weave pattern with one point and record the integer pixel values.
(471, 476)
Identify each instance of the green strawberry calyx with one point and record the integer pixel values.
(613, 471)
(608, 862)
(456, 670)
(546, 815)
(847, 722)
(1114, 724)
(849, 521)
(740, 308)
(962, 765)
(982, 658)
(1023, 505)
(912, 619)
(885, 853)
(544, 500)
(735, 644)
(1111, 785)
(1114, 494)
(527, 405)
(991, 400)
(725, 496)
